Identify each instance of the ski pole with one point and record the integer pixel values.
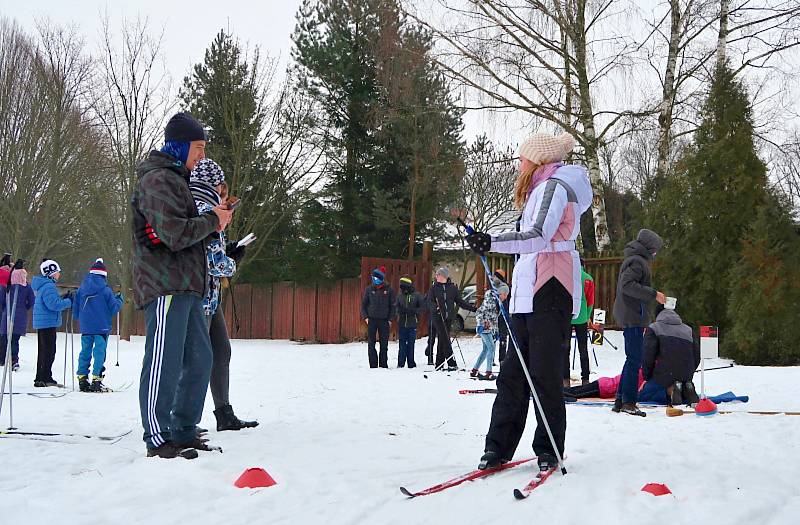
(72, 349)
(452, 338)
(536, 400)
(10, 314)
(716, 368)
(66, 334)
(118, 335)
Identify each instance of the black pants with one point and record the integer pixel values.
(378, 327)
(431, 339)
(47, 354)
(541, 336)
(582, 336)
(444, 350)
(221, 366)
(588, 390)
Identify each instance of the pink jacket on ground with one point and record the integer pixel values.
(608, 385)
(548, 227)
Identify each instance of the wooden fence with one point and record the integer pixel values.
(330, 313)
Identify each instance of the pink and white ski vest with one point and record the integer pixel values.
(549, 225)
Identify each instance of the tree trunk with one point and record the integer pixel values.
(667, 105)
(722, 37)
(591, 143)
(412, 226)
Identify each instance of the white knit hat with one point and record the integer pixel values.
(49, 267)
(543, 148)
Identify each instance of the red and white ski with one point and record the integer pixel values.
(470, 476)
(540, 478)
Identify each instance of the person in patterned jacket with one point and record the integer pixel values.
(170, 274)
(208, 187)
(488, 329)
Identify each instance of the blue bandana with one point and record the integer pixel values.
(179, 150)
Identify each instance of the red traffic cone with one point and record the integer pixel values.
(705, 407)
(255, 478)
(656, 489)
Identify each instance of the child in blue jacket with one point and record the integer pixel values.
(95, 306)
(47, 318)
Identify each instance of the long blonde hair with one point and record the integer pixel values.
(522, 187)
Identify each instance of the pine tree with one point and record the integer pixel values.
(765, 291)
(709, 205)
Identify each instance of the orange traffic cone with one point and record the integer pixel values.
(255, 478)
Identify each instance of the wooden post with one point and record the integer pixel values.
(427, 251)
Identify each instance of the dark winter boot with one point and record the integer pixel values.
(490, 459)
(39, 384)
(487, 377)
(632, 409)
(677, 397)
(547, 462)
(169, 451)
(227, 420)
(52, 382)
(200, 444)
(617, 405)
(690, 396)
(473, 372)
(97, 386)
(83, 384)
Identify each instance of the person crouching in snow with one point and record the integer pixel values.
(488, 329)
(670, 359)
(410, 306)
(545, 297)
(208, 187)
(47, 318)
(95, 306)
(634, 295)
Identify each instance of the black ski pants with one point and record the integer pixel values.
(47, 354)
(444, 351)
(541, 336)
(380, 328)
(431, 339)
(502, 330)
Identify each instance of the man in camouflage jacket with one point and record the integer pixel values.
(169, 270)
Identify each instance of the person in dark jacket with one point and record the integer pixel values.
(170, 274)
(442, 298)
(25, 299)
(95, 306)
(410, 306)
(377, 309)
(670, 359)
(47, 318)
(502, 327)
(631, 306)
(431, 336)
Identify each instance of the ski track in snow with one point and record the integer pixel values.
(340, 439)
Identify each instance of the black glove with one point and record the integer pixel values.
(235, 252)
(479, 242)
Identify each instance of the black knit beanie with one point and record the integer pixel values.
(183, 127)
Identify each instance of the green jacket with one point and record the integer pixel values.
(162, 199)
(587, 299)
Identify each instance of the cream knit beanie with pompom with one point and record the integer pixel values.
(543, 148)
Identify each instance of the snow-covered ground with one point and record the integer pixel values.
(340, 439)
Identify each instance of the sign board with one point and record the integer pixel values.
(709, 342)
(671, 303)
(597, 337)
(599, 316)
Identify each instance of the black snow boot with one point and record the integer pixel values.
(677, 397)
(690, 396)
(200, 444)
(632, 409)
(83, 384)
(97, 386)
(490, 459)
(547, 462)
(227, 420)
(169, 451)
(617, 405)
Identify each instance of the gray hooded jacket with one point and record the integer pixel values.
(634, 291)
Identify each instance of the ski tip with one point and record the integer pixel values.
(519, 494)
(406, 492)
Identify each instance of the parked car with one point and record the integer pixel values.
(465, 320)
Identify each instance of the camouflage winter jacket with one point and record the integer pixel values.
(162, 199)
